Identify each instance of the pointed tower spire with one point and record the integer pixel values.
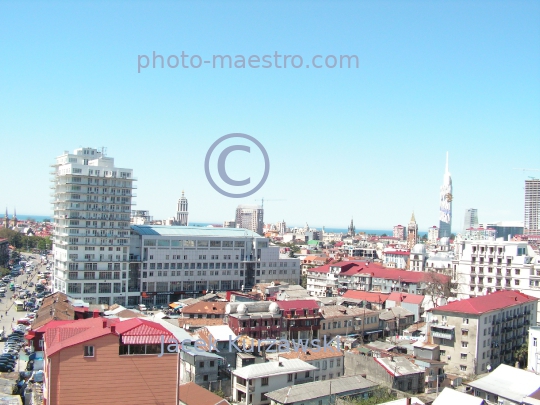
(413, 219)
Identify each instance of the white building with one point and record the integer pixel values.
(396, 259)
(533, 360)
(182, 211)
(92, 205)
(251, 383)
(250, 217)
(433, 234)
(483, 266)
(173, 262)
(418, 257)
(445, 208)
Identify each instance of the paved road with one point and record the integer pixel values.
(8, 313)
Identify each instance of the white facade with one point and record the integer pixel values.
(250, 383)
(533, 360)
(445, 208)
(250, 217)
(433, 234)
(178, 261)
(395, 259)
(532, 207)
(92, 201)
(483, 266)
(182, 211)
(471, 219)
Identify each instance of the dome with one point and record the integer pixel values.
(242, 309)
(273, 308)
(419, 249)
(445, 241)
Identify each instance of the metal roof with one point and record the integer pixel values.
(318, 389)
(273, 368)
(508, 382)
(449, 396)
(162, 230)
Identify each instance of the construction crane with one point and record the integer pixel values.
(529, 170)
(262, 201)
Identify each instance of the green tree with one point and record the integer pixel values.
(379, 396)
(303, 282)
(521, 354)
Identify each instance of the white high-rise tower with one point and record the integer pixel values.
(250, 217)
(445, 208)
(182, 211)
(92, 206)
(532, 207)
(471, 219)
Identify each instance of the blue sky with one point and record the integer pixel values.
(456, 76)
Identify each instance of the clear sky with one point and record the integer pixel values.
(368, 142)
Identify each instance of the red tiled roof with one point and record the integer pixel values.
(397, 252)
(406, 297)
(205, 307)
(139, 331)
(486, 303)
(298, 304)
(378, 271)
(368, 296)
(193, 394)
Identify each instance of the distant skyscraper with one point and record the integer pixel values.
(399, 232)
(532, 207)
(445, 212)
(433, 234)
(250, 217)
(182, 211)
(412, 233)
(471, 219)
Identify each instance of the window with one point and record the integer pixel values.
(465, 321)
(201, 364)
(463, 368)
(264, 380)
(212, 363)
(463, 356)
(88, 351)
(535, 342)
(289, 378)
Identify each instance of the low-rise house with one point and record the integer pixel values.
(533, 353)
(323, 392)
(219, 339)
(193, 394)
(411, 302)
(259, 320)
(204, 309)
(199, 366)
(300, 319)
(394, 320)
(329, 362)
(374, 301)
(340, 320)
(506, 385)
(434, 373)
(116, 357)
(402, 374)
(252, 383)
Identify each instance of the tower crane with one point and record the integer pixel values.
(262, 200)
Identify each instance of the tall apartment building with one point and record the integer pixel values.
(173, 262)
(445, 208)
(250, 217)
(484, 331)
(532, 207)
(92, 201)
(471, 219)
(399, 232)
(484, 266)
(182, 211)
(433, 234)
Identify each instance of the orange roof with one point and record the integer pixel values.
(311, 354)
(193, 394)
(204, 307)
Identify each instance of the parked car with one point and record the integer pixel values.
(24, 321)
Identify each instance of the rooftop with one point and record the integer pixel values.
(298, 304)
(273, 368)
(204, 307)
(406, 297)
(367, 296)
(486, 303)
(193, 394)
(508, 382)
(162, 230)
(336, 311)
(398, 365)
(318, 389)
(309, 355)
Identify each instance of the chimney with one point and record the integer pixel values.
(280, 364)
(95, 314)
(113, 329)
(409, 401)
(104, 323)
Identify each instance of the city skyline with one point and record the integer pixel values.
(364, 143)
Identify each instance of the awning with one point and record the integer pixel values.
(174, 305)
(374, 331)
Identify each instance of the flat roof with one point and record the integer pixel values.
(273, 368)
(162, 230)
(318, 389)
